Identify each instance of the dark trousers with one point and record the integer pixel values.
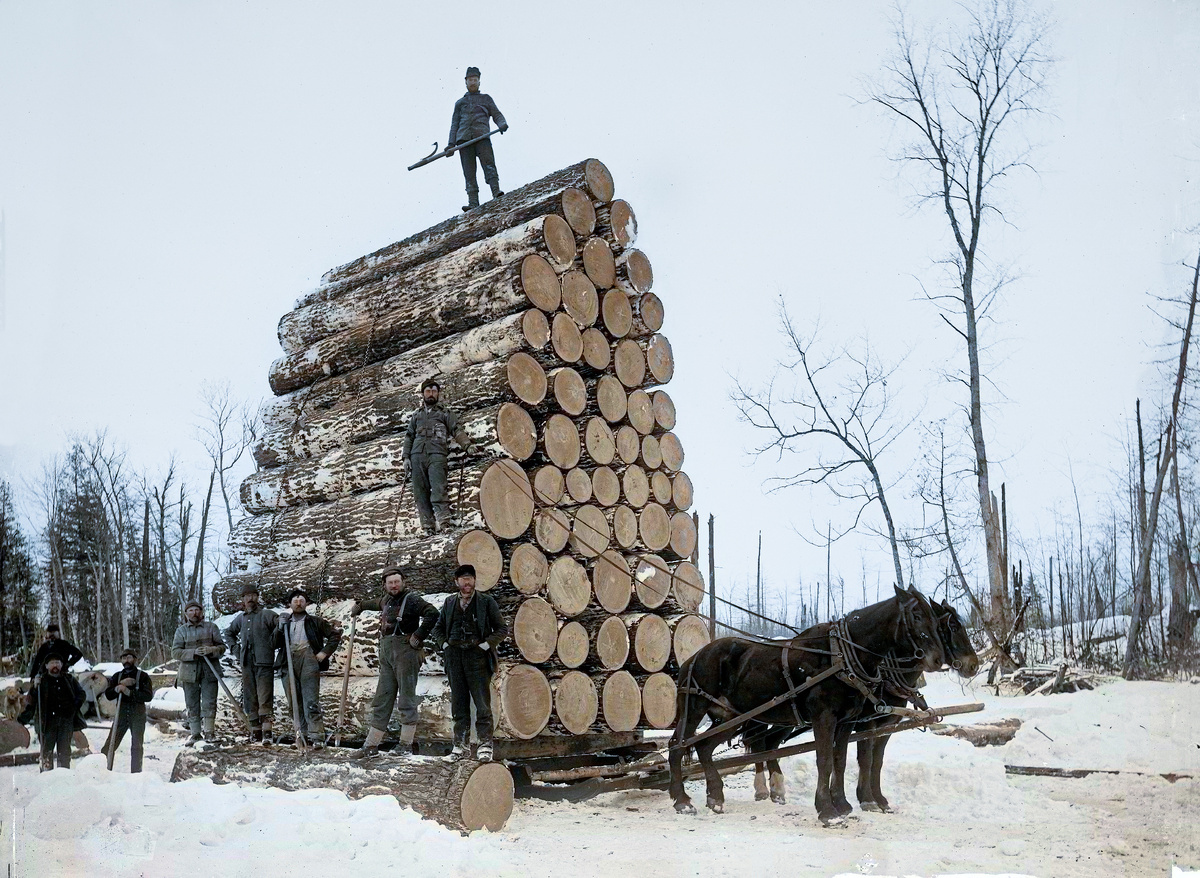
(258, 694)
(134, 721)
(487, 158)
(55, 734)
(429, 488)
(399, 665)
(470, 676)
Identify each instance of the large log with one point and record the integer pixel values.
(570, 390)
(566, 340)
(579, 486)
(648, 315)
(598, 263)
(482, 494)
(634, 272)
(568, 587)
(689, 633)
(661, 488)
(664, 410)
(590, 533)
(681, 491)
(377, 400)
(442, 312)
(503, 430)
(463, 795)
(610, 644)
(573, 645)
(606, 486)
(616, 313)
(612, 582)
(641, 412)
(651, 453)
(517, 206)
(621, 701)
(658, 701)
(549, 237)
(597, 352)
(635, 487)
(599, 440)
(521, 700)
(617, 224)
(579, 298)
(535, 630)
(576, 703)
(651, 640)
(528, 568)
(560, 441)
(549, 484)
(629, 444)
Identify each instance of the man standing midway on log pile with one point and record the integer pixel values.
(312, 641)
(135, 690)
(426, 446)
(472, 117)
(405, 620)
(54, 645)
(197, 647)
(471, 627)
(55, 701)
(251, 639)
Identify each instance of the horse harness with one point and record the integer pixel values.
(845, 664)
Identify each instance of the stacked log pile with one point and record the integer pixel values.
(536, 316)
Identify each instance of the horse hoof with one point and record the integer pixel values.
(835, 822)
(779, 800)
(687, 808)
(760, 796)
(716, 807)
(870, 806)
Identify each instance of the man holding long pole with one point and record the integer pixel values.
(306, 642)
(251, 638)
(132, 689)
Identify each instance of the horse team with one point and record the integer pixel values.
(834, 678)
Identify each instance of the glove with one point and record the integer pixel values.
(356, 609)
(414, 642)
(473, 449)
(503, 128)
(485, 646)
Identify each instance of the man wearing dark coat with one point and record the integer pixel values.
(405, 620)
(55, 701)
(470, 627)
(311, 641)
(426, 447)
(135, 690)
(472, 117)
(68, 652)
(251, 639)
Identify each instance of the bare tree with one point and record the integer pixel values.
(227, 430)
(839, 408)
(961, 97)
(1142, 596)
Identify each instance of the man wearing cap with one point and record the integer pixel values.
(405, 620)
(472, 118)
(135, 690)
(426, 446)
(55, 701)
(197, 647)
(251, 639)
(311, 640)
(53, 644)
(470, 627)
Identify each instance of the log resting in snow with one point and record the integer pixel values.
(518, 206)
(442, 312)
(547, 236)
(463, 795)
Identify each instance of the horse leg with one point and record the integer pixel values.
(841, 747)
(865, 791)
(778, 784)
(876, 769)
(694, 713)
(760, 781)
(824, 726)
(712, 778)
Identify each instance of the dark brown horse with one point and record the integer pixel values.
(960, 655)
(731, 677)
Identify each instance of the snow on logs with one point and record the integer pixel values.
(536, 315)
(463, 795)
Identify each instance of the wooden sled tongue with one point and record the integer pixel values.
(13, 736)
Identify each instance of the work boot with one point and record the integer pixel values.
(370, 747)
(484, 753)
(457, 752)
(408, 742)
(447, 523)
(268, 737)
(496, 192)
(210, 728)
(472, 200)
(256, 736)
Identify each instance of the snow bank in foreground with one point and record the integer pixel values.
(88, 821)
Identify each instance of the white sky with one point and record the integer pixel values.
(174, 175)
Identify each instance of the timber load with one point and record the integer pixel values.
(537, 317)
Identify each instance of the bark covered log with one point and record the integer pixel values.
(547, 236)
(463, 795)
(518, 206)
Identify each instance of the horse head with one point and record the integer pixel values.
(917, 625)
(960, 653)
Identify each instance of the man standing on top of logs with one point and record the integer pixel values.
(134, 689)
(472, 117)
(312, 640)
(251, 639)
(470, 627)
(405, 620)
(53, 644)
(54, 701)
(198, 647)
(426, 446)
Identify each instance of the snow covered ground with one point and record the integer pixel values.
(957, 812)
